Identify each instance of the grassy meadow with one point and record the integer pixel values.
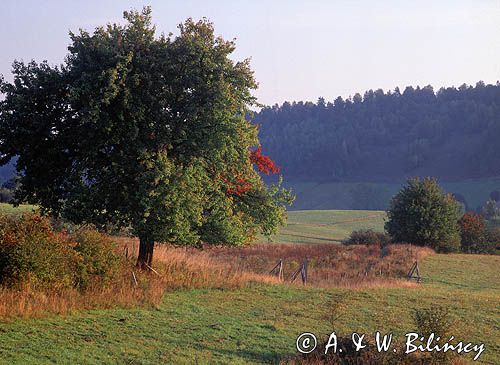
(10, 209)
(211, 313)
(327, 226)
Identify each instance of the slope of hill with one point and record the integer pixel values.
(376, 195)
(327, 226)
(387, 137)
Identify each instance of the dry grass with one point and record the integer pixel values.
(219, 267)
(26, 302)
(174, 269)
(329, 265)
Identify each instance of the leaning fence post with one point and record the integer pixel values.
(303, 272)
(135, 279)
(278, 270)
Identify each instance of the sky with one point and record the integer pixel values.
(299, 50)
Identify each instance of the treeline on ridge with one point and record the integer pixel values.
(452, 134)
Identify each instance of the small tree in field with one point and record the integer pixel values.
(421, 213)
(143, 131)
(472, 232)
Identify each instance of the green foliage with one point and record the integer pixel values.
(436, 320)
(98, 259)
(422, 214)
(491, 241)
(368, 237)
(32, 253)
(141, 131)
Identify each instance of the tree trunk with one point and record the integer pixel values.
(145, 258)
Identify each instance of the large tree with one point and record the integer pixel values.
(144, 131)
(421, 213)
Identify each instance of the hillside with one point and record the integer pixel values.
(382, 136)
(327, 226)
(376, 195)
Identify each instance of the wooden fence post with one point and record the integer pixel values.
(303, 272)
(414, 273)
(278, 270)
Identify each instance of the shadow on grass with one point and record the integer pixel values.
(265, 356)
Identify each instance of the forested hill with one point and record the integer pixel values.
(452, 134)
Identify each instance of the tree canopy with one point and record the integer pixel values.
(144, 131)
(422, 214)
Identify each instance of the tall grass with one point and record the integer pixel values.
(329, 265)
(219, 267)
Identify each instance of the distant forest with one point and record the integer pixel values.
(453, 134)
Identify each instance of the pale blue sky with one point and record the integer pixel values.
(300, 50)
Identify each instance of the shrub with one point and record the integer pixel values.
(472, 232)
(99, 260)
(491, 241)
(32, 253)
(436, 320)
(368, 237)
(421, 213)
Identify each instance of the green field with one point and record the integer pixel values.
(327, 226)
(9, 209)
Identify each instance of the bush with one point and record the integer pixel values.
(421, 213)
(436, 320)
(368, 237)
(472, 232)
(491, 241)
(33, 254)
(99, 260)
